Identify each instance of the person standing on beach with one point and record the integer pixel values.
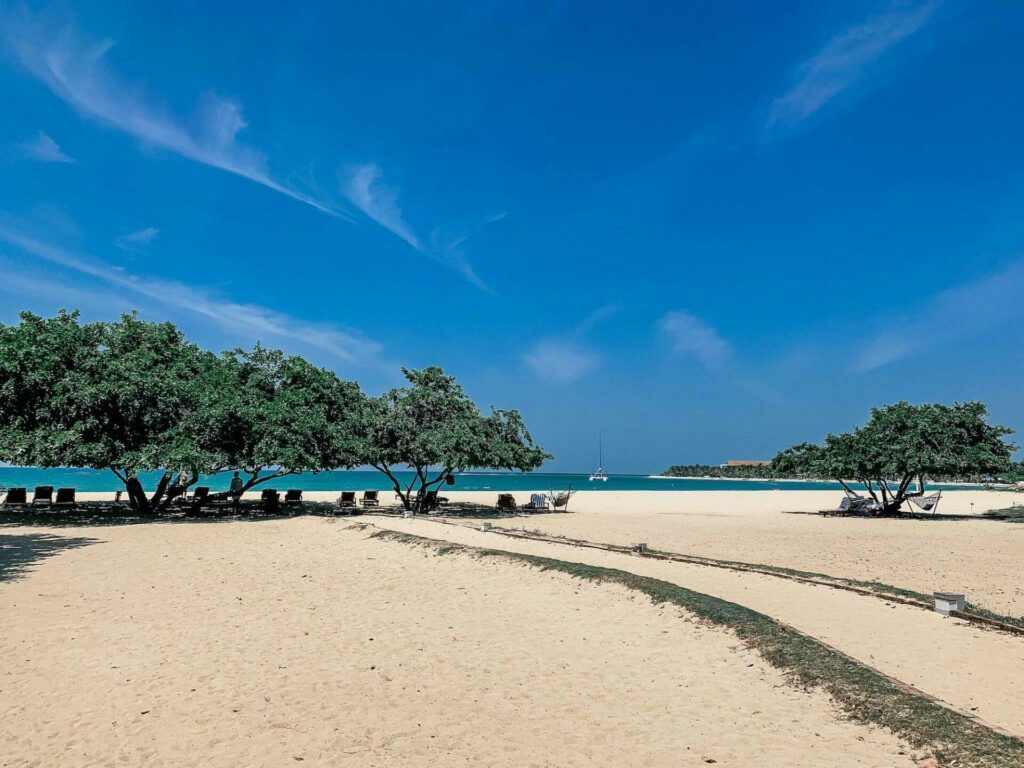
(236, 486)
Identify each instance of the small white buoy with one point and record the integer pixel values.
(945, 602)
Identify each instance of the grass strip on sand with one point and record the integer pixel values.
(863, 694)
(878, 587)
(874, 586)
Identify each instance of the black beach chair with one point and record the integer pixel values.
(293, 496)
(370, 499)
(43, 496)
(432, 501)
(16, 497)
(270, 500)
(200, 498)
(347, 500)
(65, 498)
(506, 503)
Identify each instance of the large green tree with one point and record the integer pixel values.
(902, 445)
(270, 415)
(435, 429)
(106, 395)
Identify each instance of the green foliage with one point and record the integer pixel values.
(134, 396)
(271, 415)
(797, 461)
(102, 395)
(902, 443)
(1014, 474)
(435, 429)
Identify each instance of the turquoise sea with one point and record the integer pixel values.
(88, 480)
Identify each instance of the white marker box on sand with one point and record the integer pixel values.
(949, 601)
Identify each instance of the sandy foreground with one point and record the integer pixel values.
(979, 672)
(300, 640)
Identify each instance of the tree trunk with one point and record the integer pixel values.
(137, 498)
(255, 479)
(177, 489)
(404, 496)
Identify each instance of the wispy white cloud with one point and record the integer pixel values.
(76, 70)
(690, 335)
(561, 361)
(45, 150)
(567, 358)
(843, 60)
(29, 288)
(955, 314)
(363, 186)
(246, 320)
(137, 241)
(451, 250)
(599, 315)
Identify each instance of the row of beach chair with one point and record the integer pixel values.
(538, 503)
(271, 501)
(348, 500)
(41, 497)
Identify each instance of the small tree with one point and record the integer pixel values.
(904, 444)
(435, 429)
(798, 461)
(105, 396)
(271, 415)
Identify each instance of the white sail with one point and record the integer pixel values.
(600, 473)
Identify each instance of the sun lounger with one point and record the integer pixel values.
(293, 496)
(506, 503)
(16, 497)
(432, 501)
(347, 500)
(43, 496)
(270, 501)
(65, 497)
(853, 506)
(370, 499)
(200, 494)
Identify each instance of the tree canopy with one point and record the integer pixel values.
(134, 396)
(268, 415)
(435, 429)
(902, 445)
(106, 395)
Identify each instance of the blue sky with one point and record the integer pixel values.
(707, 230)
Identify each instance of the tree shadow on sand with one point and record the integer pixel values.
(85, 517)
(20, 552)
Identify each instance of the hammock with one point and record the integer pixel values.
(926, 503)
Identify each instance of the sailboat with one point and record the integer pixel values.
(600, 473)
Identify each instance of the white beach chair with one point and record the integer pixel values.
(538, 503)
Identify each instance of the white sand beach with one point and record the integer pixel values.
(278, 641)
(271, 643)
